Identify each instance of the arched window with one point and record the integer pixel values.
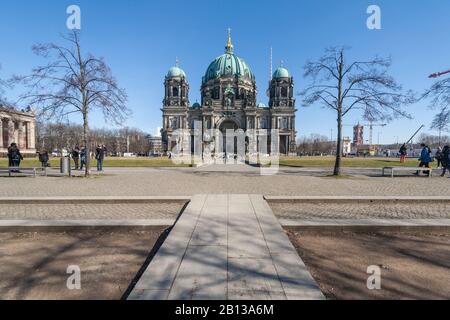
(216, 93)
(284, 92)
(174, 91)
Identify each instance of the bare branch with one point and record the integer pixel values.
(73, 83)
(362, 85)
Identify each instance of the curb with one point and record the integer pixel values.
(368, 225)
(93, 200)
(321, 199)
(64, 225)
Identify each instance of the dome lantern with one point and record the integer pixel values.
(229, 46)
(281, 73)
(176, 71)
(228, 64)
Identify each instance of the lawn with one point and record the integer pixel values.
(284, 161)
(346, 162)
(109, 162)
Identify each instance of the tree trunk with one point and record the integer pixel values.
(87, 170)
(337, 165)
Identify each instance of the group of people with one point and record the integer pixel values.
(442, 157)
(79, 156)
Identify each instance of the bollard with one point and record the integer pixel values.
(64, 166)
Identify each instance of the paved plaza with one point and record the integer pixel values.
(226, 247)
(190, 181)
(227, 239)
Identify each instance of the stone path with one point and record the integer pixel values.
(87, 211)
(226, 247)
(362, 210)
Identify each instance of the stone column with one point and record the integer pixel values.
(30, 135)
(11, 132)
(1, 133)
(20, 135)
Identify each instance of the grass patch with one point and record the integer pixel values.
(346, 162)
(109, 162)
(342, 176)
(284, 161)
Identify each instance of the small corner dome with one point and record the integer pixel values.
(261, 105)
(196, 105)
(281, 73)
(176, 72)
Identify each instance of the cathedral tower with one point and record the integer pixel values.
(175, 104)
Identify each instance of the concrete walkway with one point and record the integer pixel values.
(226, 247)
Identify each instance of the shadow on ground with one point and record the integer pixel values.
(413, 265)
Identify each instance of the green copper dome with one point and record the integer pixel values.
(175, 72)
(228, 64)
(281, 73)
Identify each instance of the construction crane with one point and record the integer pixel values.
(371, 125)
(438, 74)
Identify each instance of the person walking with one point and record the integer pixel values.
(100, 156)
(438, 157)
(402, 152)
(445, 160)
(14, 156)
(43, 158)
(82, 158)
(425, 158)
(76, 157)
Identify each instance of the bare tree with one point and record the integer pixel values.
(314, 145)
(441, 122)
(433, 141)
(3, 86)
(439, 94)
(56, 136)
(358, 85)
(72, 83)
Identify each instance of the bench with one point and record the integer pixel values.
(33, 170)
(392, 169)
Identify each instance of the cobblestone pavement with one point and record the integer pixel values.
(435, 210)
(89, 211)
(188, 181)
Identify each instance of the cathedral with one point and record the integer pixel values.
(228, 101)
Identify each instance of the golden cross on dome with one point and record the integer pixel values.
(229, 45)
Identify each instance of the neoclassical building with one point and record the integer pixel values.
(228, 101)
(18, 127)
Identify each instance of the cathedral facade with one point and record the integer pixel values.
(228, 101)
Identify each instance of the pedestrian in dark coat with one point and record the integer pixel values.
(43, 158)
(425, 158)
(100, 156)
(445, 160)
(403, 152)
(76, 157)
(14, 156)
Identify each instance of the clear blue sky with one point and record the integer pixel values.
(141, 39)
